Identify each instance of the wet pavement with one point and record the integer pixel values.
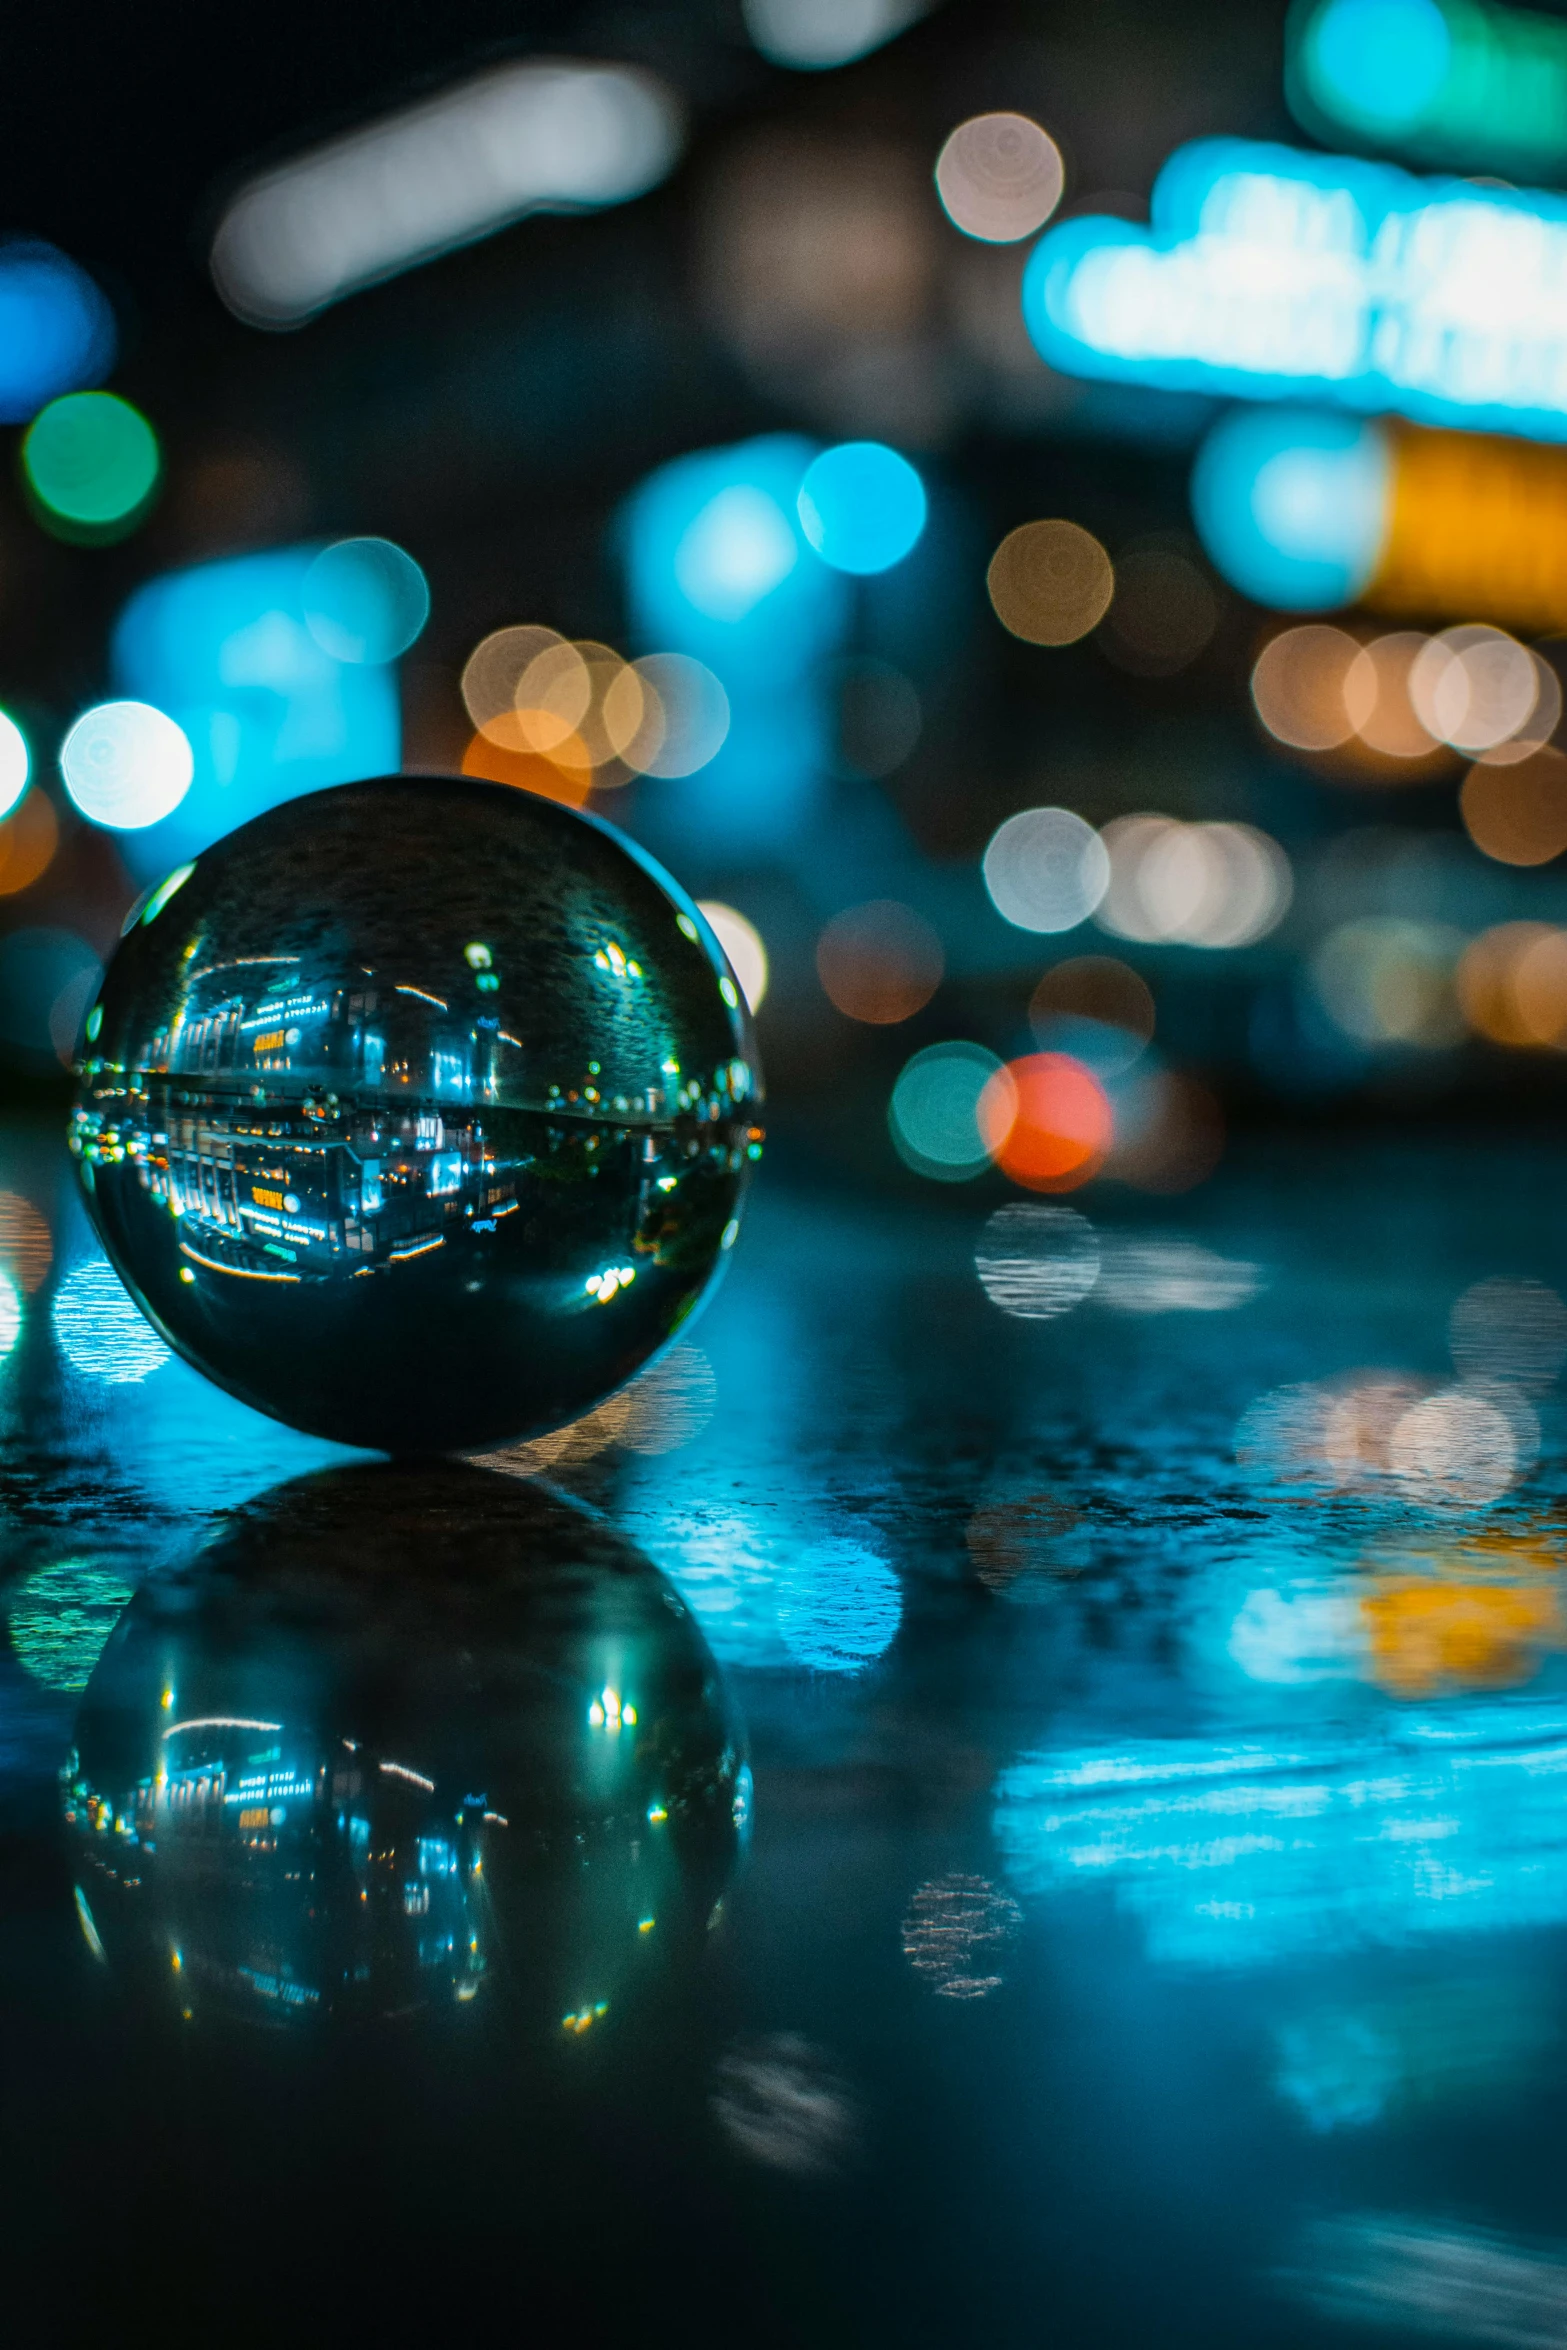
(1014, 1787)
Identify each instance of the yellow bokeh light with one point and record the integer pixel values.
(494, 670)
(1377, 696)
(1512, 984)
(1298, 686)
(1518, 814)
(28, 839)
(1050, 582)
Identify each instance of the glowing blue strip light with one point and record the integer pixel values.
(1267, 273)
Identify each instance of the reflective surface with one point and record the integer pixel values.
(399, 1739)
(1155, 1680)
(416, 1134)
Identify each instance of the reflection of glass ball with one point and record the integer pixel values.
(417, 1113)
(401, 1739)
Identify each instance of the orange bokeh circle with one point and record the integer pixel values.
(1046, 1121)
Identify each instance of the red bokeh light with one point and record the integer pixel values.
(1046, 1121)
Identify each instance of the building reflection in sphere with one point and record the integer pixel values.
(398, 1740)
(418, 1113)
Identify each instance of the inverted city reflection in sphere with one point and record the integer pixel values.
(398, 1740)
(418, 1113)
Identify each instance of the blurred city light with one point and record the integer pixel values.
(1518, 815)
(365, 600)
(1292, 505)
(29, 836)
(48, 977)
(1163, 613)
(91, 462)
(812, 36)
(880, 962)
(687, 716)
(1046, 869)
(1050, 582)
(226, 650)
(1267, 271)
(1046, 1121)
(742, 943)
(56, 330)
(999, 177)
(1379, 696)
(1037, 1263)
(861, 506)
(934, 1111)
(15, 763)
(126, 764)
(1307, 510)
(1456, 81)
(1203, 885)
(1387, 980)
(1095, 1008)
(1298, 686)
(418, 183)
(1511, 984)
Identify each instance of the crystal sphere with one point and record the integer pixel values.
(417, 1113)
(399, 1738)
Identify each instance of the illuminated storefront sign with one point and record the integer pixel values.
(1267, 273)
(1307, 510)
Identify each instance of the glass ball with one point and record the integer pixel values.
(418, 1113)
(396, 1739)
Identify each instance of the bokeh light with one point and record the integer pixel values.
(1292, 504)
(813, 36)
(1374, 65)
(91, 461)
(126, 764)
(685, 716)
(1379, 696)
(839, 1605)
(1518, 815)
(365, 600)
(453, 166)
(1045, 869)
(1169, 1133)
(100, 1332)
(1046, 1121)
(1298, 686)
(1511, 984)
(862, 507)
(880, 962)
(933, 1115)
(567, 775)
(742, 943)
(1050, 582)
(1387, 980)
(1025, 1549)
(1037, 1263)
(1099, 1010)
(494, 670)
(999, 177)
(29, 837)
(48, 978)
(225, 650)
(1204, 885)
(1474, 687)
(56, 329)
(15, 763)
(1162, 615)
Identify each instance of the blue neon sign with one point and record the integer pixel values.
(1267, 273)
